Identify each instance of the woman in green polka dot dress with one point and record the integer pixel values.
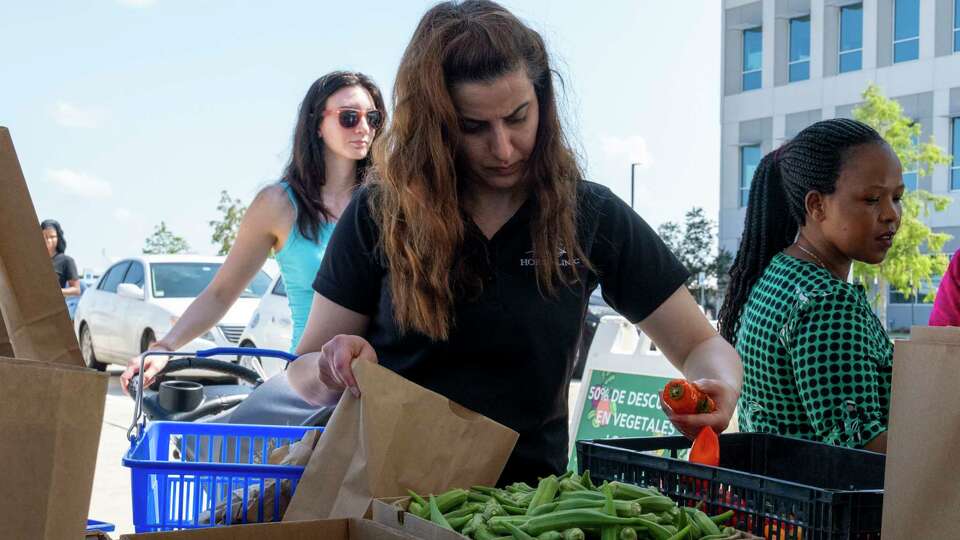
(817, 362)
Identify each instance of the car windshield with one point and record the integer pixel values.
(188, 280)
(596, 298)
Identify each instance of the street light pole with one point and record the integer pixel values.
(632, 182)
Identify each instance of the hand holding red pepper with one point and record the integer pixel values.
(716, 398)
(685, 398)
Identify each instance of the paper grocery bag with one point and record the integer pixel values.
(6, 348)
(33, 307)
(921, 489)
(396, 436)
(50, 418)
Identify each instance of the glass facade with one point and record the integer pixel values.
(752, 58)
(906, 30)
(799, 49)
(955, 150)
(956, 25)
(910, 172)
(851, 38)
(749, 160)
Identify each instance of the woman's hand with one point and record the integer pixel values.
(336, 359)
(724, 395)
(151, 364)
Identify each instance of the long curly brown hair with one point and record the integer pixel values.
(417, 187)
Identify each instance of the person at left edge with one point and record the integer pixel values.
(63, 264)
(466, 263)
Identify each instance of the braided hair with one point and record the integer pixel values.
(811, 161)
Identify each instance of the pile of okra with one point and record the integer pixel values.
(569, 507)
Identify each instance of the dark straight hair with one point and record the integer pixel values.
(305, 172)
(811, 161)
(55, 225)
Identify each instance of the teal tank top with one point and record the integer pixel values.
(299, 261)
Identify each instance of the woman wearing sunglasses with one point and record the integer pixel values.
(339, 118)
(467, 262)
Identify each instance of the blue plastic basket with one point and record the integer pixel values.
(180, 472)
(102, 526)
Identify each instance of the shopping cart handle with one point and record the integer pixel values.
(246, 351)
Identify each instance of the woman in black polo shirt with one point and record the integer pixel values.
(63, 264)
(466, 263)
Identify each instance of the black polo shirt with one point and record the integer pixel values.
(510, 353)
(65, 268)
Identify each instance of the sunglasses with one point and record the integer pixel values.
(349, 118)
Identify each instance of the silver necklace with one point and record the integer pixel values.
(812, 254)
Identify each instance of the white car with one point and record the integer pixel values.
(138, 300)
(270, 327)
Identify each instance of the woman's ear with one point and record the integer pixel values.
(813, 205)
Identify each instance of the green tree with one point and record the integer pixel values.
(693, 243)
(225, 229)
(915, 258)
(164, 242)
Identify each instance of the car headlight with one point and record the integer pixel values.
(208, 335)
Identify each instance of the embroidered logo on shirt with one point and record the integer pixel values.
(530, 260)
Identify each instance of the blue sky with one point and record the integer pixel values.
(128, 112)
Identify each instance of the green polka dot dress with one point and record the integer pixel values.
(817, 363)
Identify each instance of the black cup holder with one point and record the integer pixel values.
(180, 396)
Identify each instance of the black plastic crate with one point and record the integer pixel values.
(779, 487)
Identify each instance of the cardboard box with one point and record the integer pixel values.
(392, 513)
(327, 529)
(51, 416)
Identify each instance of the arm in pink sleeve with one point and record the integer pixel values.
(946, 307)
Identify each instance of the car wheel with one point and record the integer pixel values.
(86, 350)
(250, 362)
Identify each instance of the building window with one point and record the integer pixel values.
(851, 38)
(956, 25)
(800, 49)
(906, 30)
(897, 297)
(749, 160)
(955, 166)
(752, 58)
(911, 170)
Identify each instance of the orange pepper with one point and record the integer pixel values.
(706, 448)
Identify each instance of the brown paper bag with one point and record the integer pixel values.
(33, 306)
(397, 436)
(921, 490)
(297, 454)
(6, 348)
(50, 418)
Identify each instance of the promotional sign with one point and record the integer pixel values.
(620, 391)
(622, 405)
